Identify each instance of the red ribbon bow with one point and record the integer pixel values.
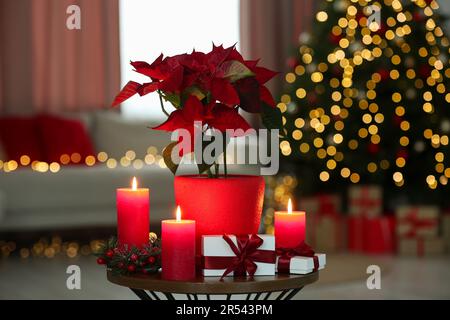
(415, 222)
(365, 201)
(247, 253)
(286, 254)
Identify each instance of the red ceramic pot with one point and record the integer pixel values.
(221, 205)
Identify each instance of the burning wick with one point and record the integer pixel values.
(134, 184)
(289, 206)
(178, 214)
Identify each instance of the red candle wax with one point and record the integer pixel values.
(133, 215)
(178, 248)
(289, 227)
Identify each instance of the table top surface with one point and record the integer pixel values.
(213, 285)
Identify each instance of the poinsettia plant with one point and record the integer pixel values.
(208, 88)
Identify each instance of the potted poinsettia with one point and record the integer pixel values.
(207, 90)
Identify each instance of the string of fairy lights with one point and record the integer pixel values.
(50, 247)
(358, 42)
(129, 159)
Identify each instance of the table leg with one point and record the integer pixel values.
(141, 294)
(169, 296)
(284, 295)
(292, 293)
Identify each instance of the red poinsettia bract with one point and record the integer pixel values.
(207, 87)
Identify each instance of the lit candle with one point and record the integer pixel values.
(133, 215)
(178, 248)
(289, 227)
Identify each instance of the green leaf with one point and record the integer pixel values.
(272, 118)
(235, 70)
(173, 98)
(195, 91)
(167, 156)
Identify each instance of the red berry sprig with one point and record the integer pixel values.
(123, 259)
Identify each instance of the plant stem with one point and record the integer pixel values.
(210, 174)
(162, 104)
(225, 154)
(216, 169)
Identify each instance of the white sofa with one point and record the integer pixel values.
(78, 196)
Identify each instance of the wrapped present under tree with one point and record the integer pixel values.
(365, 200)
(324, 222)
(417, 221)
(421, 246)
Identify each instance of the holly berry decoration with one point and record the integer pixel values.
(122, 259)
(109, 253)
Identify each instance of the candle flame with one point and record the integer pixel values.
(178, 213)
(134, 184)
(289, 206)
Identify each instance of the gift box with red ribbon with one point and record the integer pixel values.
(446, 229)
(326, 233)
(299, 260)
(420, 246)
(324, 224)
(379, 235)
(365, 200)
(238, 255)
(371, 235)
(417, 221)
(320, 204)
(355, 233)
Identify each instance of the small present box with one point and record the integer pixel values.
(221, 255)
(325, 232)
(323, 220)
(321, 204)
(303, 265)
(365, 200)
(355, 233)
(420, 246)
(379, 235)
(445, 223)
(417, 221)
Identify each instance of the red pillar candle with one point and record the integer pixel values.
(289, 227)
(178, 248)
(133, 215)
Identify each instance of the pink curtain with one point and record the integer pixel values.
(270, 31)
(59, 69)
(15, 56)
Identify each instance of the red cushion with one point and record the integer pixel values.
(19, 137)
(63, 136)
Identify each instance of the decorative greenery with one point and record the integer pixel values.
(122, 259)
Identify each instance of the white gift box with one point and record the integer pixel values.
(216, 246)
(304, 265)
(365, 200)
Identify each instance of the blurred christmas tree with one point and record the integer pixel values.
(367, 99)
